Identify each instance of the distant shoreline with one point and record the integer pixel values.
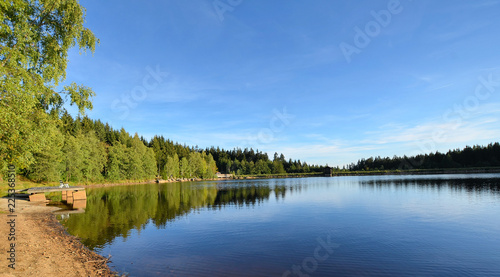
(28, 184)
(305, 175)
(420, 172)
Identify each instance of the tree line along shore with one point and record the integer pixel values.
(85, 151)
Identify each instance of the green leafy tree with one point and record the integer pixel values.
(73, 159)
(35, 37)
(250, 168)
(149, 164)
(136, 154)
(261, 167)
(172, 167)
(211, 167)
(117, 166)
(196, 164)
(185, 169)
(48, 162)
(93, 156)
(278, 167)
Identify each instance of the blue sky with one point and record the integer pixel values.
(320, 81)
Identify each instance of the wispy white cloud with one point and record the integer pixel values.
(436, 134)
(478, 126)
(386, 140)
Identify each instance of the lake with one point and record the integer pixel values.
(437, 225)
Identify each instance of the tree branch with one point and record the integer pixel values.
(10, 54)
(44, 15)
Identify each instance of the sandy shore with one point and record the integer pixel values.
(43, 248)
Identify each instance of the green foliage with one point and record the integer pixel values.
(73, 159)
(278, 167)
(248, 161)
(84, 158)
(149, 164)
(211, 168)
(35, 37)
(469, 157)
(172, 167)
(136, 152)
(94, 157)
(262, 167)
(185, 169)
(240, 161)
(117, 162)
(48, 161)
(196, 164)
(136, 162)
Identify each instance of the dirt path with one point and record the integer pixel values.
(43, 248)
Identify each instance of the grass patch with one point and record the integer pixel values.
(21, 183)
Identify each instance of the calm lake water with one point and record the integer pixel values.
(432, 225)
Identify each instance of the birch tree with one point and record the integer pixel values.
(35, 37)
